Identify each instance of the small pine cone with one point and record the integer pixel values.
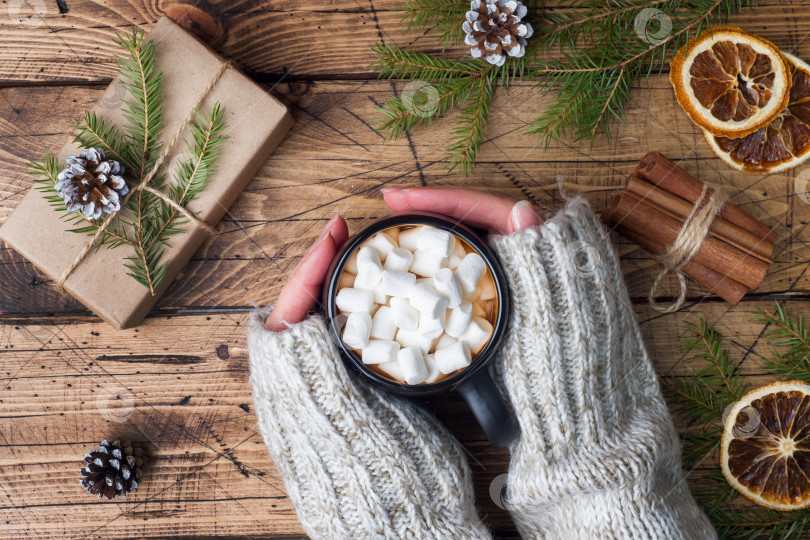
(92, 184)
(494, 30)
(114, 469)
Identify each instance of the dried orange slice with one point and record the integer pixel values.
(782, 144)
(765, 450)
(730, 82)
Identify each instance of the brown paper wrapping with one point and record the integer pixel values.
(256, 124)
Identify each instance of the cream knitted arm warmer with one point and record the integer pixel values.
(356, 464)
(598, 455)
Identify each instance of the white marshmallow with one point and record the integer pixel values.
(429, 302)
(487, 290)
(469, 271)
(413, 366)
(380, 351)
(351, 264)
(382, 324)
(357, 330)
(458, 320)
(369, 268)
(427, 280)
(477, 334)
(431, 328)
(452, 358)
(382, 243)
(426, 263)
(404, 314)
(346, 280)
(396, 283)
(408, 238)
(459, 250)
(351, 300)
(453, 261)
(445, 341)
(394, 370)
(399, 259)
(412, 338)
(436, 241)
(447, 285)
(432, 367)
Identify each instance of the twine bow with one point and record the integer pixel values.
(143, 185)
(686, 245)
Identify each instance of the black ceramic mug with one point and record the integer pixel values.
(473, 382)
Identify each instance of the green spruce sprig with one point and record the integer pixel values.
(702, 398)
(147, 222)
(588, 55)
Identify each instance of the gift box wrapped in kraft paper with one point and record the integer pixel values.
(255, 122)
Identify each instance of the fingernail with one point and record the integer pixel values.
(389, 189)
(523, 216)
(328, 225)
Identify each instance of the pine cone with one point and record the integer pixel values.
(113, 469)
(92, 184)
(494, 30)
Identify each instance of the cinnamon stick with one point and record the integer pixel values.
(659, 170)
(632, 213)
(721, 285)
(678, 208)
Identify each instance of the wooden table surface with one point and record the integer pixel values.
(178, 383)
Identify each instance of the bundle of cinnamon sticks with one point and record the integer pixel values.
(735, 255)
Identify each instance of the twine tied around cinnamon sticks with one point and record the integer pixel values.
(688, 242)
(693, 229)
(143, 185)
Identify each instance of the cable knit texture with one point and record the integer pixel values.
(598, 455)
(356, 463)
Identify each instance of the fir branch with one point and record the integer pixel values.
(789, 335)
(97, 132)
(143, 110)
(469, 134)
(439, 16)
(193, 174)
(600, 57)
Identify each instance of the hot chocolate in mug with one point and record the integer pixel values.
(417, 305)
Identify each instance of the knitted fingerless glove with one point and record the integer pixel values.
(355, 463)
(598, 455)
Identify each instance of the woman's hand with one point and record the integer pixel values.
(303, 289)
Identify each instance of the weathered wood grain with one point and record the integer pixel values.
(334, 161)
(178, 386)
(271, 39)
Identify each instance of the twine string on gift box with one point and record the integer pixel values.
(143, 184)
(686, 245)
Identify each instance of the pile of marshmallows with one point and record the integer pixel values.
(415, 303)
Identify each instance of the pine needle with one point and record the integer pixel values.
(701, 400)
(587, 55)
(148, 222)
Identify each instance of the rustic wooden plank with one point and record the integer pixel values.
(333, 161)
(271, 39)
(178, 385)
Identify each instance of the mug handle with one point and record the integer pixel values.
(486, 403)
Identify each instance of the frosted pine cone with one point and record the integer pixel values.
(92, 184)
(112, 470)
(494, 30)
